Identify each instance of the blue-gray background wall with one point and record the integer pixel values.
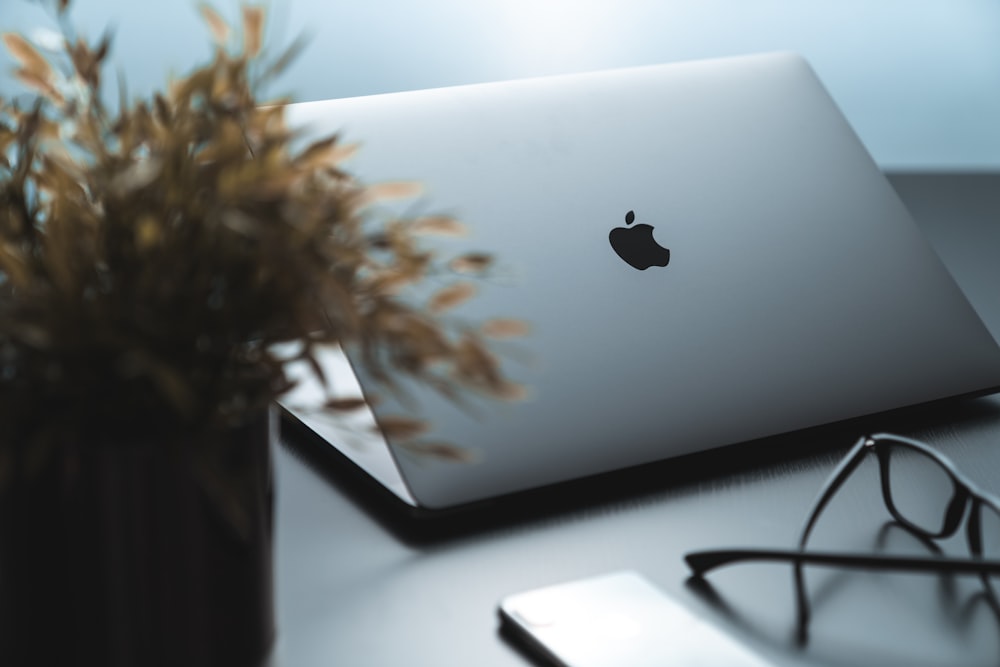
(918, 79)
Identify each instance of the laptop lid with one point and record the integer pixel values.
(798, 290)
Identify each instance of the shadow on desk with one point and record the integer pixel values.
(610, 489)
(863, 617)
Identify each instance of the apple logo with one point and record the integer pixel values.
(637, 246)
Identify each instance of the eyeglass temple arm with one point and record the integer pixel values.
(830, 487)
(701, 562)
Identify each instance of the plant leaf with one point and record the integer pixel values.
(444, 451)
(345, 404)
(285, 59)
(402, 428)
(26, 54)
(12, 264)
(451, 296)
(325, 153)
(218, 27)
(253, 30)
(441, 225)
(474, 262)
(502, 327)
(391, 190)
(509, 391)
(44, 86)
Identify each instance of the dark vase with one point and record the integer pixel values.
(142, 553)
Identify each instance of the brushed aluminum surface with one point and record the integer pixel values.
(798, 292)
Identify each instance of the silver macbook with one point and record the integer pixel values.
(704, 251)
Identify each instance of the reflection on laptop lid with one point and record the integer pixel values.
(797, 291)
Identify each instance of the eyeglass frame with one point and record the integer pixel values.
(965, 493)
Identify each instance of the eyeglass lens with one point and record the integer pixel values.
(920, 490)
(990, 531)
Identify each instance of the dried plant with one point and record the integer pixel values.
(156, 256)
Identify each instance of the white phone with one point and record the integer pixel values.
(618, 620)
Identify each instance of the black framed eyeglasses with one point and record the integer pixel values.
(924, 493)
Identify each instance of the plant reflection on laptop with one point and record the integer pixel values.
(905, 466)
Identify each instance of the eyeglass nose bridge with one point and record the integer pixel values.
(953, 512)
